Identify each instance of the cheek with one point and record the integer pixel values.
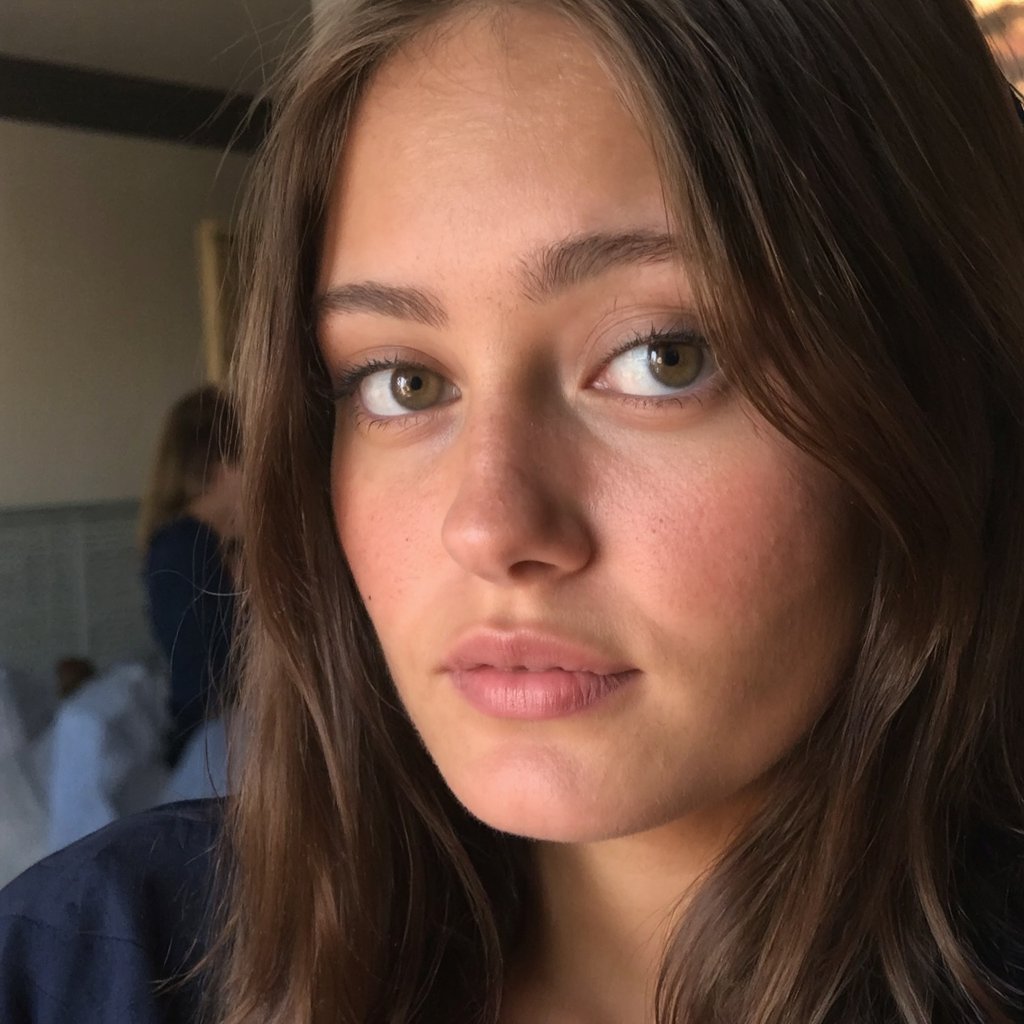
(384, 522)
(746, 550)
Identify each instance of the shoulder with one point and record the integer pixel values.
(185, 551)
(184, 535)
(88, 934)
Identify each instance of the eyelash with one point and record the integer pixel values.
(346, 385)
(347, 381)
(684, 335)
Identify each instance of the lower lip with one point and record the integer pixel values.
(535, 696)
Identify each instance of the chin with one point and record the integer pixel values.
(546, 802)
(543, 824)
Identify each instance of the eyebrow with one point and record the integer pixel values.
(384, 300)
(574, 260)
(545, 273)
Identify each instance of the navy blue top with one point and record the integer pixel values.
(192, 610)
(92, 934)
(87, 934)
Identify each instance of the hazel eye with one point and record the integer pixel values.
(674, 364)
(401, 390)
(659, 367)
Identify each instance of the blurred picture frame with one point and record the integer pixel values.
(218, 294)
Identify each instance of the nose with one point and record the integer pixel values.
(517, 515)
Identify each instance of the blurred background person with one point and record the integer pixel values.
(188, 530)
(133, 206)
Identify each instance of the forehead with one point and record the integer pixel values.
(507, 126)
(498, 68)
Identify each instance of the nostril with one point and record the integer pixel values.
(529, 568)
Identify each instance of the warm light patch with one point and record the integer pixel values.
(1003, 25)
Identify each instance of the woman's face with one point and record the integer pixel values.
(609, 595)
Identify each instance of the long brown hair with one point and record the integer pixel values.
(200, 432)
(850, 173)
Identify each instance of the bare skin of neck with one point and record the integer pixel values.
(607, 911)
(218, 506)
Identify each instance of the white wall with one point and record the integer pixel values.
(99, 303)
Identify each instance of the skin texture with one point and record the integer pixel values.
(680, 537)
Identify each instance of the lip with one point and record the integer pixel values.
(532, 675)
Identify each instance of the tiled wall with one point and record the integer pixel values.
(70, 585)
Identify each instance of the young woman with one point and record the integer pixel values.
(632, 396)
(188, 526)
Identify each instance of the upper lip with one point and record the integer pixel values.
(529, 650)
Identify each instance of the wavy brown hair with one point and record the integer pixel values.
(850, 174)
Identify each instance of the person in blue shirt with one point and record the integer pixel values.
(634, 616)
(189, 527)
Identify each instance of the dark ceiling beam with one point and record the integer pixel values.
(97, 101)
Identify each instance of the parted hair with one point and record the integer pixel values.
(849, 175)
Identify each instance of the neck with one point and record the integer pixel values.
(607, 911)
(209, 511)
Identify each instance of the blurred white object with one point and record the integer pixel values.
(202, 769)
(23, 820)
(12, 729)
(27, 705)
(107, 753)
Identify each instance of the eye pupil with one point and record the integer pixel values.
(415, 389)
(675, 364)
